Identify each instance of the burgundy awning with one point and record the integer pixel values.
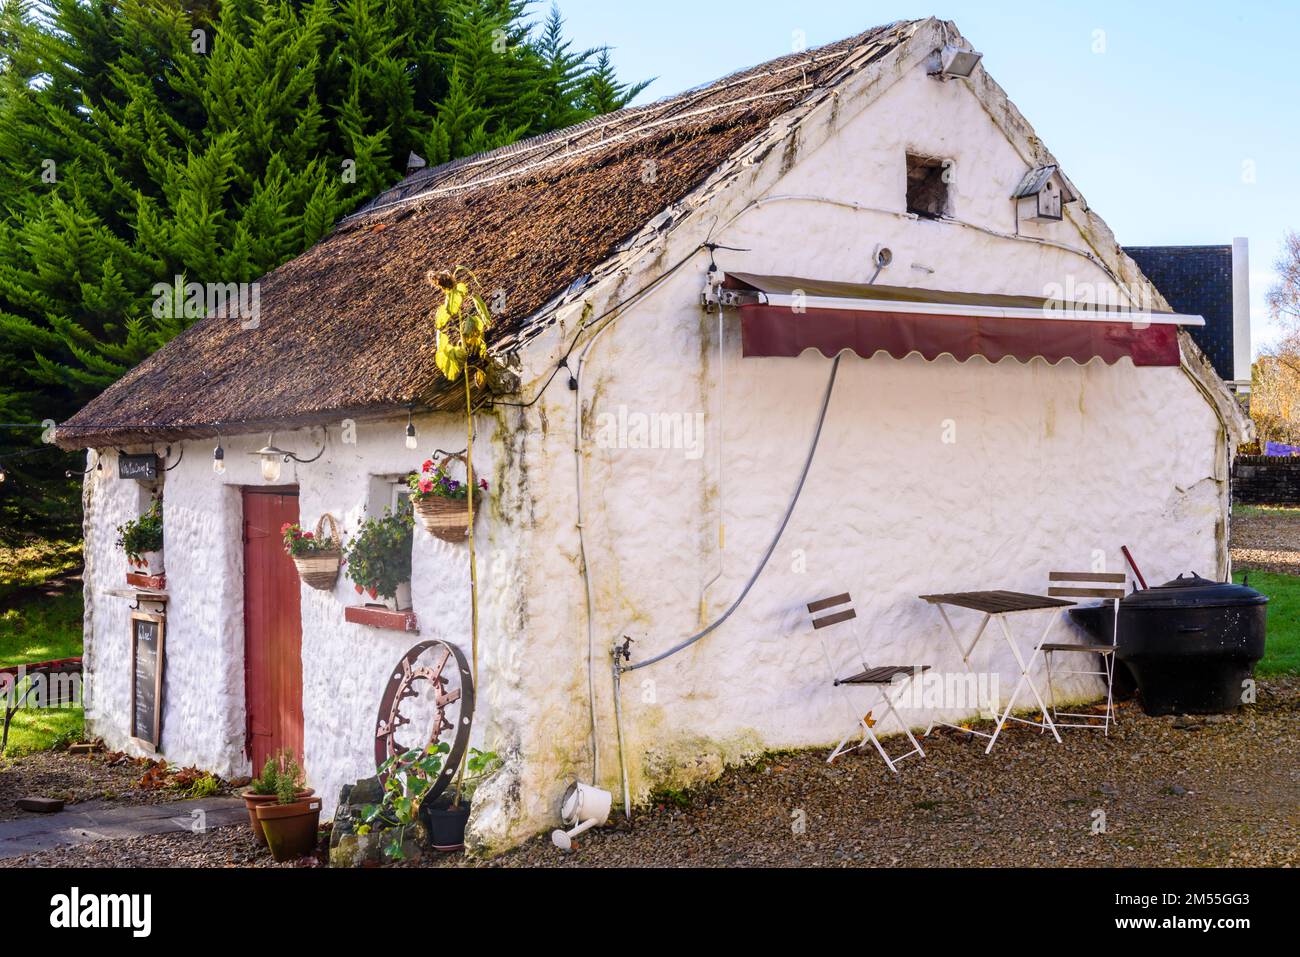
(784, 316)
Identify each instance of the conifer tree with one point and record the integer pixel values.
(144, 140)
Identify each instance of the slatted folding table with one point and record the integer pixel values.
(996, 606)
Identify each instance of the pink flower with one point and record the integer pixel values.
(426, 485)
(285, 527)
(482, 483)
(309, 535)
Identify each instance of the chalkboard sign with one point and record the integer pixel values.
(146, 677)
(142, 467)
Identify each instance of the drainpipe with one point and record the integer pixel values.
(621, 654)
(582, 554)
(722, 398)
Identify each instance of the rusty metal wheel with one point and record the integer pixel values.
(431, 690)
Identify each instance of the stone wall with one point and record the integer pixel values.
(1266, 480)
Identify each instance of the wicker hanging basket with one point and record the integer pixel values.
(447, 518)
(321, 570)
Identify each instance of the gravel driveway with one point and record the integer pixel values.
(1268, 539)
(1215, 791)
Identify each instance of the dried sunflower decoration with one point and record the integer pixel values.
(461, 322)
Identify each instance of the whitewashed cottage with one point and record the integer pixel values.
(872, 199)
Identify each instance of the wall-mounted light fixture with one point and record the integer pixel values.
(272, 457)
(953, 61)
(95, 456)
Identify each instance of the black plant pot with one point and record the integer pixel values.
(445, 824)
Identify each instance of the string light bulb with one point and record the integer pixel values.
(410, 432)
(219, 458)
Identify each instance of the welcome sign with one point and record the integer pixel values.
(141, 467)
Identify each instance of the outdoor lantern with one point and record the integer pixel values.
(2, 472)
(272, 458)
(219, 458)
(410, 432)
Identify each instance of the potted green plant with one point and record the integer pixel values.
(142, 540)
(445, 818)
(378, 558)
(395, 824)
(263, 788)
(291, 821)
(317, 554)
(442, 502)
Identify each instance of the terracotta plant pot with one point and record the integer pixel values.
(445, 824)
(254, 801)
(446, 518)
(290, 829)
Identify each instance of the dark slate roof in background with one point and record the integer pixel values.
(1196, 280)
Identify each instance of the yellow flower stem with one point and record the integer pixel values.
(473, 565)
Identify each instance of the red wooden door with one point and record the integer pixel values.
(272, 627)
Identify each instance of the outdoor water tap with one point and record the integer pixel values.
(624, 650)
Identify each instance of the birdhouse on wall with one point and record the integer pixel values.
(1042, 196)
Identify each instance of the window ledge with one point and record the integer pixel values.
(146, 582)
(373, 617)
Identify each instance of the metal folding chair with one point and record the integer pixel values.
(1075, 587)
(880, 678)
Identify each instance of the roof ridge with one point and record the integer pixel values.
(429, 180)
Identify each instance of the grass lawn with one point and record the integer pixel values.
(26, 565)
(1282, 648)
(40, 621)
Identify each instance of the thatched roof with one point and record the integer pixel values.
(343, 328)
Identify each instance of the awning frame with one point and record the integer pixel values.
(1076, 313)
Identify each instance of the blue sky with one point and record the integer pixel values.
(1180, 122)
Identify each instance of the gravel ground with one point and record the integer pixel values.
(1214, 791)
(75, 778)
(1267, 539)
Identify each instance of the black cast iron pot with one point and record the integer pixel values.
(1190, 643)
(445, 824)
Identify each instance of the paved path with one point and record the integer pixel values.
(104, 821)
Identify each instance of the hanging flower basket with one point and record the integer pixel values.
(315, 554)
(441, 502)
